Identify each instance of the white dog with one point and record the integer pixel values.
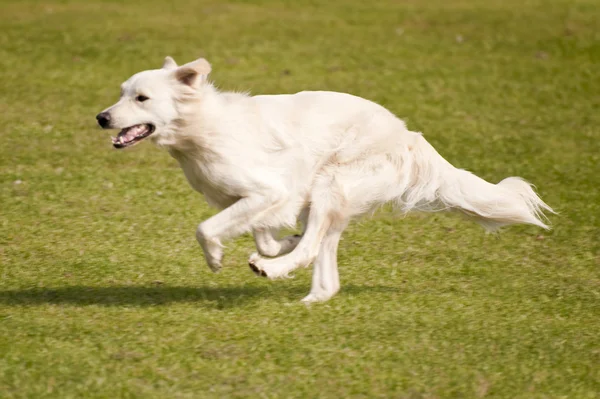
(318, 157)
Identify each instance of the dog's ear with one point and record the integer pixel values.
(193, 73)
(169, 63)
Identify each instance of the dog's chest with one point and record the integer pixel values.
(208, 181)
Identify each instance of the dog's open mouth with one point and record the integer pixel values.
(132, 135)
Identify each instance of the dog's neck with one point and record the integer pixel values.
(190, 135)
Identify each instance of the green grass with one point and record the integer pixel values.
(105, 293)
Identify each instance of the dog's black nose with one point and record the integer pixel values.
(103, 119)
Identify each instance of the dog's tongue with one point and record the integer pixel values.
(132, 132)
(132, 135)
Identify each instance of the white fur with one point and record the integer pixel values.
(319, 157)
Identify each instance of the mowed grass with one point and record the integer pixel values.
(105, 293)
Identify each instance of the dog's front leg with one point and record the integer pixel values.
(233, 221)
(268, 245)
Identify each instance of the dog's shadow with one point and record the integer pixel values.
(211, 297)
(215, 297)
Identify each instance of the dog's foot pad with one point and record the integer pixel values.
(256, 270)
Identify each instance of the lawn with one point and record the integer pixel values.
(105, 293)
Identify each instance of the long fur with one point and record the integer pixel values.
(437, 185)
(321, 158)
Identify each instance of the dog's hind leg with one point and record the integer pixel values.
(339, 193)
(324, 211)
(325, 278)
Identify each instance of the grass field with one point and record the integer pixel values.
(105, 293)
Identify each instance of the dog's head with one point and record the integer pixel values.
(149, 101)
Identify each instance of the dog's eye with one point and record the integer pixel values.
(141, 98)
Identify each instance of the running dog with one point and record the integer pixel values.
(318, 157)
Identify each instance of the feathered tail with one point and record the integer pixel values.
(433, 184)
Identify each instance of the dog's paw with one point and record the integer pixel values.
(213, 252)
(317, 297)
(214, 257)
(267, 267)
(256, 270)
(214, 265)
(252, 262)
